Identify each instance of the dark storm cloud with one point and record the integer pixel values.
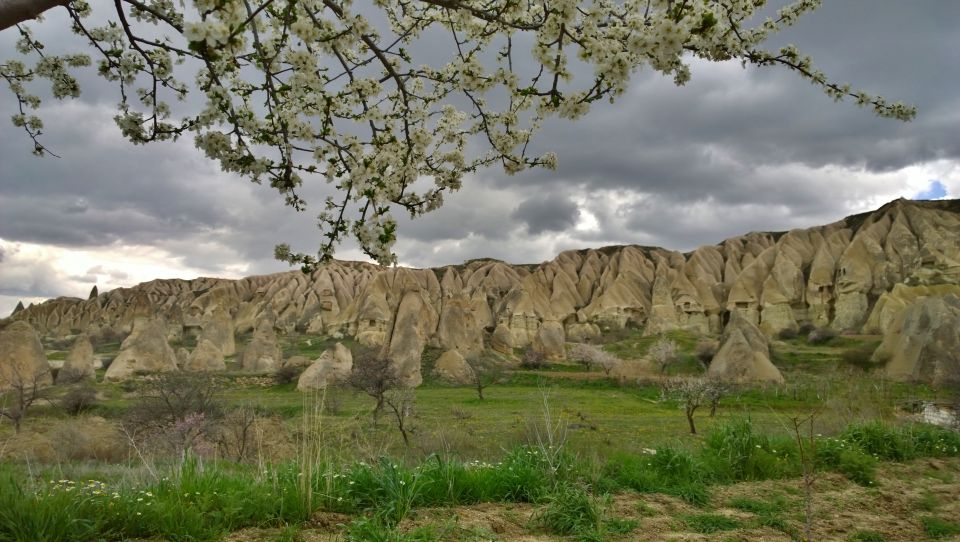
(551, 212)
(735, 150)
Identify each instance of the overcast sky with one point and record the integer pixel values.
(735, 150)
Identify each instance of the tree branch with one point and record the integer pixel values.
(13, 12)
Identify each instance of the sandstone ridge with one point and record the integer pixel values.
(842, 275)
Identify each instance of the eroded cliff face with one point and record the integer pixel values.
(854, 274)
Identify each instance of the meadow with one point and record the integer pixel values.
(559, 451)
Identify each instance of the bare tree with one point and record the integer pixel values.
(716, 390)
(591, 356)
(25, 387)
(373, 375)
(235, 439)
(802, 427)
(174, 410)
(664, 352)
(486, 372)
(400, 403)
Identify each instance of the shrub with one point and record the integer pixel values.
(859, 357)
(176, 412)
(867, 536)
(932, 441)
(77, 399)
(821, 336)
(667, 470)
(287, 374)
(733, 452)
(805, 329)
(710, 523)
(533, 359)
(937, 528)
(847, 459)
(705, 351)
(105, 361)
(787, 334)
(570, 510)
(880, 440)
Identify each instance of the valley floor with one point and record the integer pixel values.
(918, 500)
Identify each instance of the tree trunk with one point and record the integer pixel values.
(693, 428)
(17, 11)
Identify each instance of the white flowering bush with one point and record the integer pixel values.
(331, 90)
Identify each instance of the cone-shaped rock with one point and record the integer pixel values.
(263, 353)
(80, 363)
(22, 361)
(145, 350)
(333, 366)
(452, 367)
(218, 329)
(744, 354)
(205, 358)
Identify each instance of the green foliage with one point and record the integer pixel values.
(848, 459)
(668, 471)
(867, 536)
(570, 510)
(710, 523)
(734, 452)
(937, 528)
(932, 441)
(372, 529)
(880, 440)
(769, 506)
(821, 336)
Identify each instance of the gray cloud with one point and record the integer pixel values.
(734, 150)
(552, 212)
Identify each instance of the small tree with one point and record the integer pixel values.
(803, 431)
(664, 352)
(235, 439)
(591, 356)
(26, 387)
(716, 390)
(692, 394)
(486, 372)
(373, 375)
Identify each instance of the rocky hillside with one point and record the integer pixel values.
(855, 274)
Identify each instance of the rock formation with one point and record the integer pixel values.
(854, 274)
(22, 361)
(262, 354)
(453, 368)
(146, 350)
(217, 327)
(333, 366)
(80, 363)
(923, 342)
(205, 358)
(744, 355)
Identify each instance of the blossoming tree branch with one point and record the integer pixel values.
(299, 89)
